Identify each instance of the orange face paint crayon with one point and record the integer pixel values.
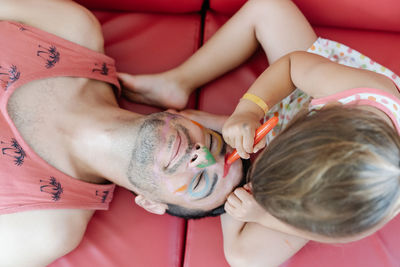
(261, 132)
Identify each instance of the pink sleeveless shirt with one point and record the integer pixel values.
(27, 182)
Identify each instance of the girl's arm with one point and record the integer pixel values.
(315, 75)
(252, 237)
(250, 244)
(320, 77)
(273, 85)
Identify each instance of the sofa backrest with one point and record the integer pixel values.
(382, 15)
(170, 6)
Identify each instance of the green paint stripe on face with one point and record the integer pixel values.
(210, 160)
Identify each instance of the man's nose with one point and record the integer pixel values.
(201, 157)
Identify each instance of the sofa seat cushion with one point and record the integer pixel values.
(204, 244)
(126, 235)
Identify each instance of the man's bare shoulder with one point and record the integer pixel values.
(63, 18)
(40, 235)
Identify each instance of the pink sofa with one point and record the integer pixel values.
(146, 36)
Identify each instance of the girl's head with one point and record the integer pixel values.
(333, 172)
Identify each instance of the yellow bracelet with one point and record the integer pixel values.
(256, 100)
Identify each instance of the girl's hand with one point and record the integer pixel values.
(239, 131)
(242, 206)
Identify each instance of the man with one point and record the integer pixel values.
(64, 138)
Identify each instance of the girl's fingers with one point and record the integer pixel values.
(260, 145)
(242, 194)
(228, 139)
(229, 209)
(229, 135)
(239, 147)
(234, 201)
(248, 139)
(247, 187)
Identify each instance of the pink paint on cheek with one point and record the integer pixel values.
(164, 133)
(157, 155)
(166, 127)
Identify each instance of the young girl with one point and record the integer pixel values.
(332, 172)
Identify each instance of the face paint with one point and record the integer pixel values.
(214, 134)
(166, 125)
(198, 124)
(181, 189)
(210, 160)
(205, 189)
(219, 140)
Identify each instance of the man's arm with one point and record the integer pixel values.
(250, 244)
(38, 237)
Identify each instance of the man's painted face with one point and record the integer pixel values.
(185, 160)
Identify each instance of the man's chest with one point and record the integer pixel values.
(39, 111)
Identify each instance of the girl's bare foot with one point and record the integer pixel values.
(161, 90)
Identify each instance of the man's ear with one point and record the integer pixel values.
(150, 205)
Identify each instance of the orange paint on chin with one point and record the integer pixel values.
(180, 189)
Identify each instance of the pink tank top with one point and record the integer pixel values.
(379, 99)
(27, 182)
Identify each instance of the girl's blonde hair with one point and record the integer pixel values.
(333, 172)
